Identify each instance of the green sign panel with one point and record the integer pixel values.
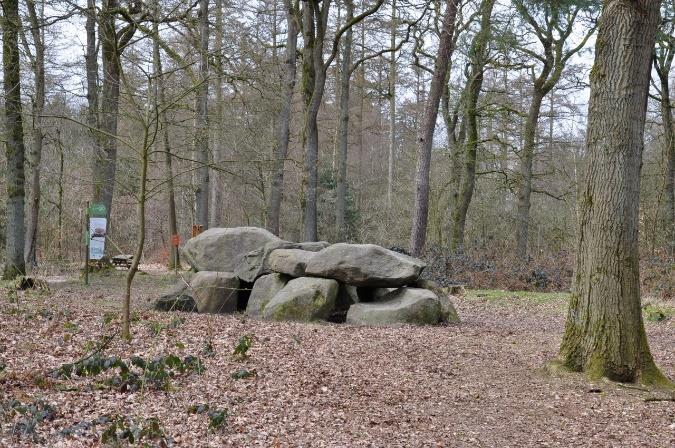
(97, 210)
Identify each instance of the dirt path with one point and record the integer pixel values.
(477, 384)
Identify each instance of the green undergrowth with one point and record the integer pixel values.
(513, 296)
(657, 313)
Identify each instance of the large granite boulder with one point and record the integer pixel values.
(255, 263)
(403, 306)
(178, 298)
(448, 311)
(215, 292)
(364, 265)
(289, 261)
(221, 249)
(264, 289)
(303, 299)
(313, 246)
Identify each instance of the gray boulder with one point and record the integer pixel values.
(403, 306)
(313, 246)
(215, 292)
(365, 265)
(178, 298)
(289, 261)
(221, 249)
(448, 311)
(264, 289)
(303, 299)
(254, 263)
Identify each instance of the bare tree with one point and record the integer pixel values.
(478, 55)
(663, 62)
(314, 28)
(284, 119)
(159, 96)
(37, 62)
(201, 119)
(552, 23)
(426, 136)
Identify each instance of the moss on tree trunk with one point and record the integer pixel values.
(604, 334)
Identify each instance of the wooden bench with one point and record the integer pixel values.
(123, 260)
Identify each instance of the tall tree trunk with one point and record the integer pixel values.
(669, 153)
(59, 200)
(38, 63)
(91, 66)
(527, 160)
(392, 107)
(421, 205)
(283, 121)
(313, 83)
(105, 164)
(478, 58)
(218, 147)
(160, 104)
(14, 146)
(343, 130)
(604, 335)
(312, 161)
(201, 120)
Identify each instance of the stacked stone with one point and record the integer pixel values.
(251, 270)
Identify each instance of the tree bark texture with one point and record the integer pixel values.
(35, 159)
(14, 145)
(663, 63)
(426, 137)
(105, 163)
(392, 107)
(315, 21)
(283, 121)
(343, 130)
(160, 98)
(604, 334)
(201, 120)
(218, 146)
(478, 54)
(526, 165)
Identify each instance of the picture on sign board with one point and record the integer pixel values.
(97, 233)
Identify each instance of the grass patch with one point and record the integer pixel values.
(657, 313)
(530, 296)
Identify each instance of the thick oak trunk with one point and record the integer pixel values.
(604, 335)
(14, 145)
(106, 161)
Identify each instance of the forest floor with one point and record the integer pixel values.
(480, 383)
